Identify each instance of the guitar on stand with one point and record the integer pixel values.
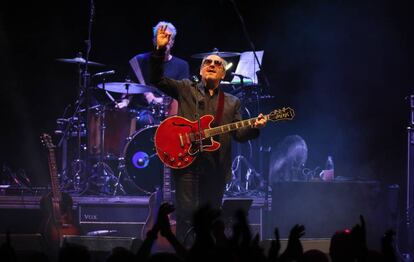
(56, 206)
(155, 201)
(177, 139)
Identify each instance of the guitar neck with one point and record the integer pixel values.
(53, 174)
(166, 192)
(230, 127)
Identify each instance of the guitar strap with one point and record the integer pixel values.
(220, 108)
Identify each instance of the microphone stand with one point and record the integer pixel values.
(246, 34)
(86, 75)
(197, 115)
(407, 253)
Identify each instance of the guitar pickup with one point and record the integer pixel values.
(181, 140)
(187, 138)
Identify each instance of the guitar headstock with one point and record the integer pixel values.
(47, 141)
(285, 113)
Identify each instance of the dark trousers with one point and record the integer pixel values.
(193, 190)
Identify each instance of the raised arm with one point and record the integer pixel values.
(157, 78)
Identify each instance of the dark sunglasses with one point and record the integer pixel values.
(208, 61)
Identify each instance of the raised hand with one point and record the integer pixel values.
(358, 238)
(163, 37)
(294, 249)
(387, 246)
(260, 121)
(163, 221)
(274, 247)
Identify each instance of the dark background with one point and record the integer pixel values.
(344, 66)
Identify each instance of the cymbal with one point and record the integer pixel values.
(216, 52)
(127, 88)
(78, 60)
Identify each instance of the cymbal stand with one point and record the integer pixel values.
(77, 169)
(408, 217)
(102, 174)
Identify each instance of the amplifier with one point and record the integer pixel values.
(325, 207)
(122, 217)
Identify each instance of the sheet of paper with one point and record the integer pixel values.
(248, 67)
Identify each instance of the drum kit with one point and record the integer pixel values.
(111, 149)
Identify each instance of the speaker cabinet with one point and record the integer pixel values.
(325, 207)
(25, 242)
(113, 219)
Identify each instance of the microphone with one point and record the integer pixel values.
(104, 73)
(239, 75)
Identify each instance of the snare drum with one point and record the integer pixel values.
(119, 125)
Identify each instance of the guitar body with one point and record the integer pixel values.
(58, 218)
(176, 140)
(56, 206)
(161, 244)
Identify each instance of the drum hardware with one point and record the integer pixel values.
(79, 60)
(215, 52)
(252, 180)
(127, 88)
(103, 176)
(74, 179)
(246, 180)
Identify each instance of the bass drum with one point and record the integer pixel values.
(141, 161)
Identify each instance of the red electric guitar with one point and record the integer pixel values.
(177, 138)
(56, 206)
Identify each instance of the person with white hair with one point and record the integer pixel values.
(174, 67)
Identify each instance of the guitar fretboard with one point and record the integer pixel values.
(53, 174)
(167, 185)
(230, 127)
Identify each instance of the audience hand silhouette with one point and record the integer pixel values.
(274, 249)
(358, 238)
(163, 220)
(294, 249)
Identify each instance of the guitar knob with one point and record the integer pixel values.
(179, 164)
(172, 159)
(186, 159)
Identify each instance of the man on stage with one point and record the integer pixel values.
(203, 182)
